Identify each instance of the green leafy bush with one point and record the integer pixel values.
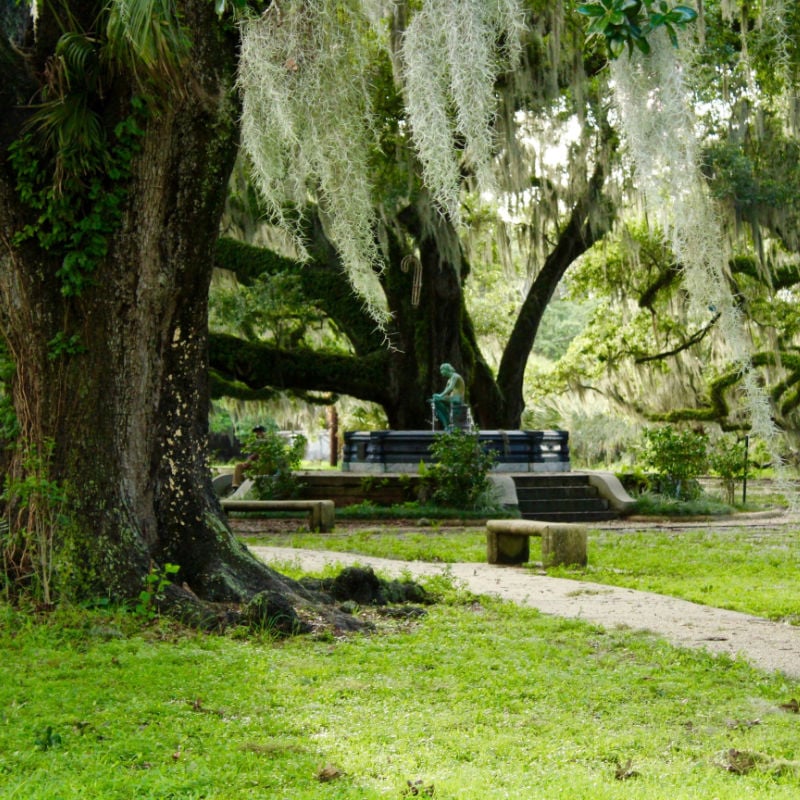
(677, 457)
(727, 460)
(272, 462)
(628, 23)
(459, 477)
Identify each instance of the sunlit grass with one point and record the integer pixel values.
(480, 700)
(749, 570)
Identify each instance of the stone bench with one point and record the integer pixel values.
(320, 512)
(563, 543)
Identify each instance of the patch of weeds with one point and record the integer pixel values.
(649, 504)
(48, 739)
(155, 582)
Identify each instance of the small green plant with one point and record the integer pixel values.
(9, 426)
(628, 23)
(62, 345)
(48, 739)
(272, 462)
(459, 477)
(727, 460)
(677, 457)
(155, 582)
(35, 508)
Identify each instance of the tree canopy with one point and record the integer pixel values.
(560, 80)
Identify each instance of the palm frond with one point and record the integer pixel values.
(78, 53)
(146, 37)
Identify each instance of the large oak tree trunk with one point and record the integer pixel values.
(117, 377)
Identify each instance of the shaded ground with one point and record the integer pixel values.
(765, 644)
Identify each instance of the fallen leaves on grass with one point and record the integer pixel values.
(742, 724)
(197, 705)
(328, 773)
(416, 789)
(624, 771)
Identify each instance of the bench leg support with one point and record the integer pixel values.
(502, 548)
(564, 546)
(322, 516)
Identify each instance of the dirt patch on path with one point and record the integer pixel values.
(764, 644)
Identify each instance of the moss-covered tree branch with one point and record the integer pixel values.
(259, 366)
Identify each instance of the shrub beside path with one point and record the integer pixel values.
(768, 645)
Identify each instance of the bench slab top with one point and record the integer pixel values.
(530, 527)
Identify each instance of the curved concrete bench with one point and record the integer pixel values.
(563, 543)
(321, 513)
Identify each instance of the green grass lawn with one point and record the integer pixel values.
(478, 699)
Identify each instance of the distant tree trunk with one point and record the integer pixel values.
(439, 329)
(588, 223)
(400, 372)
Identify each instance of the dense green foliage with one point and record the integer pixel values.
(272, 460)
(459, 475)
(678, 457)
(78, 204)
(629, 23)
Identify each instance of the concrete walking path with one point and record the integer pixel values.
(770, 646)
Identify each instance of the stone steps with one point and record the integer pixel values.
(562, 497)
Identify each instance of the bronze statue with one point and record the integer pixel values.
(453, 394)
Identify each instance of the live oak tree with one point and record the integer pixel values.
(328, 81)
(426, 329)
(426, 257)
(118, 130)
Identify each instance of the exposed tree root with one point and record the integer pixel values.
(287, 607)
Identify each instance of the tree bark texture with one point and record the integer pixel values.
(126, 404)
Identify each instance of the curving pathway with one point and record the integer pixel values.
(770, 646)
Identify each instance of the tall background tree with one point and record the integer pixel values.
(418, 247)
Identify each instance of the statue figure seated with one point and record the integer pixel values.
(450, 402)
